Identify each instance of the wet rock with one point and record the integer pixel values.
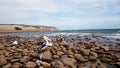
(41, 67)
(105, 48)
(25, 52)
(46, 55)
(30, 64)
(3, 60)
(116, 49)
(55, 56)
(64, 43)
(59, 53)
(93, 66)
(94, 55)
(1, 47)
(24, 59)
(7, 65)
(57, 64)
(20, 50)
(14, 60)
(45, 64)
(69, 62)
(70, 52)
(100, 65)
(34, 54)
(17, 65)
(86, 51)
(117, 64)
(79, 57)
(107, 60)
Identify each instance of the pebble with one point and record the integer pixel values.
(3, 61)
(30, 64)
(69, 62)
(58, 64)
(45, 64)
(46, 55)
(79, 57)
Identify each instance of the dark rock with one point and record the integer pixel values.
(107, 60)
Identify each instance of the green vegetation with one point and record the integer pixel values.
(36, 26)
(18, 28)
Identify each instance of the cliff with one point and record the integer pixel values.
(24, 28)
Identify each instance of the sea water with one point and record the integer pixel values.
(110, 33)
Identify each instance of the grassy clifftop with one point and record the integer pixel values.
(24, 28)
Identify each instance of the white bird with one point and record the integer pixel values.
(15, 43)
(48, 43)
(46, 38)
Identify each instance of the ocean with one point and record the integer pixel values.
(111, 33)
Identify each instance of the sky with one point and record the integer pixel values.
(63, 14)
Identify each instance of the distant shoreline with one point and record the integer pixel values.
(14, 28)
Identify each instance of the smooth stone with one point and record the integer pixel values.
(93, 56)
(24, 59)
(79, 57)
(99, 64)
(69, 62)
(46, 55)
(58, 64)
(107, 60)
(17, 65)
(30, 64)
(3, 60)
(45, 64)
(86, 51)
(7, 65)
(106, 48)
(59, 53)
(55, 56)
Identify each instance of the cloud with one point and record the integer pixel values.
(61, 12)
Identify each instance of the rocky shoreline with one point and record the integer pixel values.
(66, 52)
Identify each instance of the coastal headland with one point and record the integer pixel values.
(5, 28)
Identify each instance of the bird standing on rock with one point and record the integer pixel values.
(15, 43)
(47, 43)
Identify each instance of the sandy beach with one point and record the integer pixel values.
(67, 52)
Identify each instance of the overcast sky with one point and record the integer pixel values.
(63, 14)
